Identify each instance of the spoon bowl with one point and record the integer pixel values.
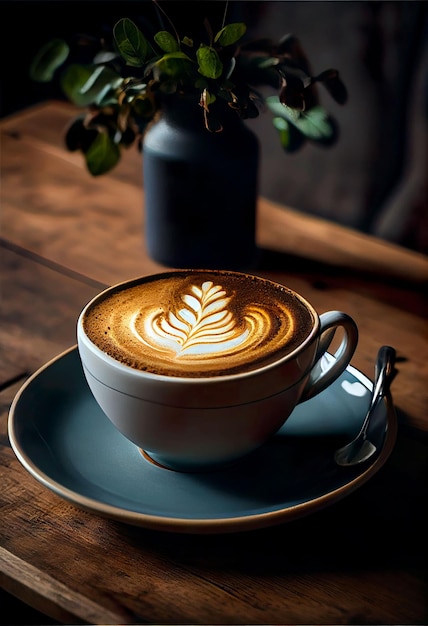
(361, 448)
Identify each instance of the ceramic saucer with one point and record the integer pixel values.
(65, 441)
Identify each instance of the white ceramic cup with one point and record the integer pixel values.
(238, 379)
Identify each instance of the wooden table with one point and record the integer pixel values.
(64, 235)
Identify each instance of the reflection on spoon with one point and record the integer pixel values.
(361, 448)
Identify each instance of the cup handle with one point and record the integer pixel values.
(329, 323)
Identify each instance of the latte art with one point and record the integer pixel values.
(205, 326)
(198, 324)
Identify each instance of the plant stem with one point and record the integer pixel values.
(159, 8)
(226, 6)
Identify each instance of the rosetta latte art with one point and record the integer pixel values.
(203, 326)
(198, 324)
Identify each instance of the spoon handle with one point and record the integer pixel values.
(383, 370)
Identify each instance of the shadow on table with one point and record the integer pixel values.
(381, 525)
(406, 293)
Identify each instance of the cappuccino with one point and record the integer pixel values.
(200, 367)
(199, 323)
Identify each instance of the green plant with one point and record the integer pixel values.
(123, 85)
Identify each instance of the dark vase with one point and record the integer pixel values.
(200, 189)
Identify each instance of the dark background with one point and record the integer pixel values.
(374, 179)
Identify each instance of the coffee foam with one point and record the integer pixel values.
(197, 324)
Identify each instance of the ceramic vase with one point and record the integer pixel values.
(200, 189)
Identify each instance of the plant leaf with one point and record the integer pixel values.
(102, 155)
(230, 34)
(260, 71)
(334, 85)
(175, 64)
(101, 77)
(209, 63)
(315, 123)
(166, 41)
(78, 136)
(290, 137)
(88, 84)
(143, 106)
(187, 42)
(49, 58)
(72, 81)
(105, 56)
(281, 110)
(131, 43)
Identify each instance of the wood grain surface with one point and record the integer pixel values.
(63, 237)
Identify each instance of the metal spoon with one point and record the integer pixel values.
(361, 448)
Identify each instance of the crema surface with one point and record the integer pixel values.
(198, 323)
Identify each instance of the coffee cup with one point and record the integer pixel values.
(198, 368)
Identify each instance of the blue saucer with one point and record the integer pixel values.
(64, 440)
